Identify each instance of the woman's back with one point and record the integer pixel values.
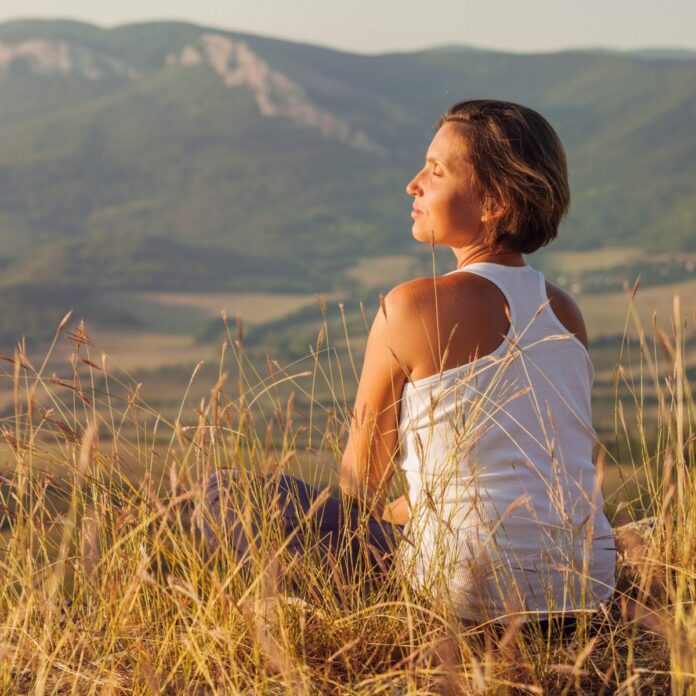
(498, 456)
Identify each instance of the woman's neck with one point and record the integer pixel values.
(478, 254)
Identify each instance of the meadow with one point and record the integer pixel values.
(224, 263)
(109, 587)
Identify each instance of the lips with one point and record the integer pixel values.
(415, 212)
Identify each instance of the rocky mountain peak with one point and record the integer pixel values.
(277, 96)
(63, 58)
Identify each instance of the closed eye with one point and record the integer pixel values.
(436, 166)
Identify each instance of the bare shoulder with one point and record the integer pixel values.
(425, 301)
(404, 310)
(566, 309)
(444, 321)
(410, 295)
(424, 293)
(396, 324)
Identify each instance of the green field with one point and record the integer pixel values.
(592, 260)
(607, 313)
(382, 272)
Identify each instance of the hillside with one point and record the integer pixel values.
(167, 156)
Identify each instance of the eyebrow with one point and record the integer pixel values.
(449, 165)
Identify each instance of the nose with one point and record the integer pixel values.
(413, 187)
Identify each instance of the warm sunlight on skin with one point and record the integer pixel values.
(430, 324)
(446, 210)
(446, 206)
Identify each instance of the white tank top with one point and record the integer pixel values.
(506, 515)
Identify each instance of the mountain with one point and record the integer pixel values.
(665, 54)
(167, 155)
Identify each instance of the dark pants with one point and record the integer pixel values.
(235, 503)
(362, 547)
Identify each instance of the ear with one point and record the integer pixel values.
(492, 216)
(492, 210)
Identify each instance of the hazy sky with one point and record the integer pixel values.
(370, 26)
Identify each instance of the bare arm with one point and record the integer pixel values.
(568, 313)
(368, 461)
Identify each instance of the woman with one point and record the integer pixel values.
(477, 385)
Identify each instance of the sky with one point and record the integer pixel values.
(374, 26)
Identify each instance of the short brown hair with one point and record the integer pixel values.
(520, 171)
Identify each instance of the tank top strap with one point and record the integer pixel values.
(523, 287)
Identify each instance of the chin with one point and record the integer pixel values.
(423, 236)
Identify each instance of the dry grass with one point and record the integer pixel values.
(605, 313)
(108, 587)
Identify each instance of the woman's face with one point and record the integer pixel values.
(446, 207)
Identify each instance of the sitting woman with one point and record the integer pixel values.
(476, 384)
